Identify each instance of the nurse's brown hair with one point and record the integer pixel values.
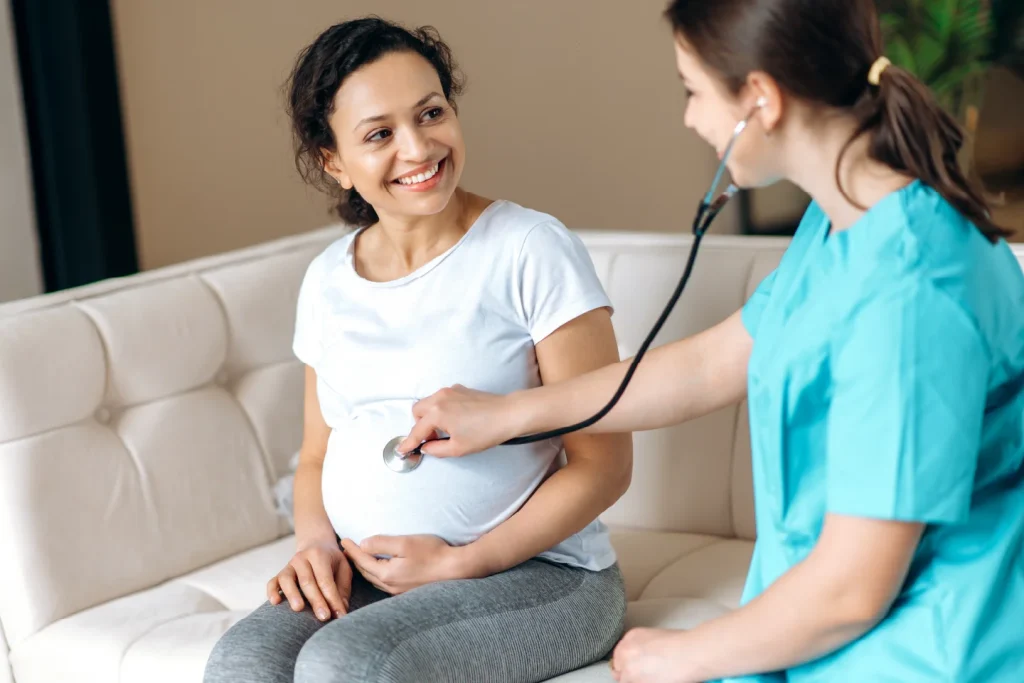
(821, 51)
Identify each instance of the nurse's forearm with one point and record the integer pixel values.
(312, 526)
(841, 590)
(673, 383)
(564, 504)
(791, 623)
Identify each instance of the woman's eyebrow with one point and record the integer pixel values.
(381, 117)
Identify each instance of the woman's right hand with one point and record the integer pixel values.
(322, 574)
(473, 420)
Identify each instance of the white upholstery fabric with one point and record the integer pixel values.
(684, 477)
(144, 421)
(41, 387)
(6, 675)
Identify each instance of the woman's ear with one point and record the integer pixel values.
(767, 98)
(334, 168)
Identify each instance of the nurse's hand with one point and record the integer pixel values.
(413, 561)
(650, 655)
(321, 574)
(474, 421)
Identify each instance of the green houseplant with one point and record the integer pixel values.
(951, 44)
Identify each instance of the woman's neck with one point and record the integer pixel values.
(813, 168)
(397, 246)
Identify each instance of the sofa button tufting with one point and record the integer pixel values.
(103, 416)
(221, 378)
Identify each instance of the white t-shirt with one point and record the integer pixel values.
(470, 316)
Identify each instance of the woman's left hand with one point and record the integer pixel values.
(413, 561)
(649, 655)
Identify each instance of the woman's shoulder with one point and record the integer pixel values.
(514, 219)
(527, 230)
(331, 256)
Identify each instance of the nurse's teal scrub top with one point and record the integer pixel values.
(887, 381)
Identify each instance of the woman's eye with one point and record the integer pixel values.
(379, 136)
(433, 113)
(689, 93)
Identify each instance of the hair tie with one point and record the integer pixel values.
(875, 74)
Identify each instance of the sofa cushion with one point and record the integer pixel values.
(692, 477)
(99, 509)
(145, 420)
(163, 339)
(166, 633)
(52, 371)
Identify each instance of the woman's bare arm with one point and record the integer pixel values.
(598, 469)
(312, 526)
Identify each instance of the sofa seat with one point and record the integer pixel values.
(164, 634)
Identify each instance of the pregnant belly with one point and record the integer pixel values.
(458, 499)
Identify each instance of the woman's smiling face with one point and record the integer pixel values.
(399, 141)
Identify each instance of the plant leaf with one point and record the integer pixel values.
(973, 28)
(892, 24)
(928, 55)
(955, 77)
(940, 16)
(901, 55)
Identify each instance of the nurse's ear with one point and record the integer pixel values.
(767, 98)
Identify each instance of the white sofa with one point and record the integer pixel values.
(145, 420)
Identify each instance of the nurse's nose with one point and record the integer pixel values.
(688, 117)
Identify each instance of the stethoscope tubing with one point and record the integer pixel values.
(706, 213)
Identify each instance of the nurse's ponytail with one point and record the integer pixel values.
(826, 52)
(911, 133)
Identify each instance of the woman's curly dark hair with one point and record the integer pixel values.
(319, 71)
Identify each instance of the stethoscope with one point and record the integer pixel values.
(706, 213)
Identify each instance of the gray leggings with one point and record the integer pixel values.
(530, 623)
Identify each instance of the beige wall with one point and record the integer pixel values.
(572, 108)
(20, 272)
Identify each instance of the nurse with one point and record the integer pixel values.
(883, 361)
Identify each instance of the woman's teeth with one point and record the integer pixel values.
(421, 177)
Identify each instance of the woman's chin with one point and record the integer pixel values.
(412, 206)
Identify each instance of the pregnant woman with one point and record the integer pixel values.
(493, 567)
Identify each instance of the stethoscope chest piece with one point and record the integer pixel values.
(394, 460)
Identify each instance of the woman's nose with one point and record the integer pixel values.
(414, 145)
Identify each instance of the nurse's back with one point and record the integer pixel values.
(964, 593)
(984, 281)
(979, 564)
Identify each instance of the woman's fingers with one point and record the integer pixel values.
(286, 579)
(373, 570)
(323, 571)
(310, 588)
(379, 585)
(343, 580)
(273, 591)
(364, 562)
